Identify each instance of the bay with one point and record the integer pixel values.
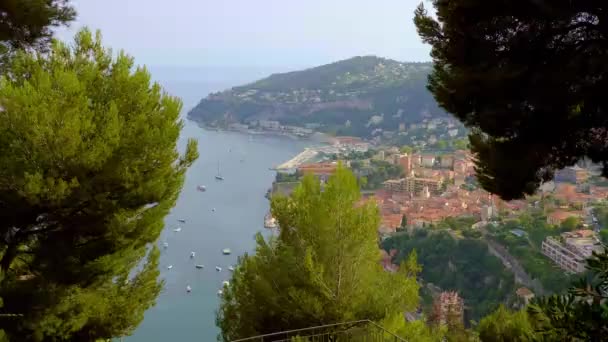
(240, 206)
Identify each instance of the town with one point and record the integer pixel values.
(541, 238)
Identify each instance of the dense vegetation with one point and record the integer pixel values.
(89, 170)
(342, 97)
(463, 265)
(526, 249)
(29, 24)
(323, 267)
(377, 173)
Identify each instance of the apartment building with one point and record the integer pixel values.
(570, 250)
(415, 185)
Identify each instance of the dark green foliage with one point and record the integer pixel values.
(461, 265)
(287, 177)
(323, 268)
(580, 315)
(89, 171)
(526, 250)
(604, 236)
(528, 78)
(29, 23)
(350, 91)
(378, 173)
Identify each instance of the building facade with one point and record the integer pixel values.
(448, 307)
(571, 249)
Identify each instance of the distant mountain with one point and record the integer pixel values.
(358, 96)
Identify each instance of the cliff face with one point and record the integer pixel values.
(354, 96)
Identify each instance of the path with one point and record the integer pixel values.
(512, 264)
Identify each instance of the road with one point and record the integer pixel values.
(512, 264)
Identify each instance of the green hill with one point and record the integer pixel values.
(358, 96)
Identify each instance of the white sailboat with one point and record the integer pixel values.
(219, 175)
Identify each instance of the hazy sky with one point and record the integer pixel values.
(291, 33)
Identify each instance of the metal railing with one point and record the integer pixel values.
(356, 331)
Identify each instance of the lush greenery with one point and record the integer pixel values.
(283, 177)
(580, 315)
(89, 170)
(377, 173)
(526, 249)
(528, 78)
(342, 97)
(322, 268)
(463, 265)
(506, 326)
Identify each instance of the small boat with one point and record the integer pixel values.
(226, 251)
(220, 292)
(213, 209)
(188, 289)
(192, 254)
(178, 229)
(225, 283)
(230, 268)
(182, 220)
(201, 188)
(200, 266)
(166, 244)
(217, 268)
(219, 175)
(169, 267)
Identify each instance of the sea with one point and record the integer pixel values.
(227, 215)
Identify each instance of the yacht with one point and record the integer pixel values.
(182, 220)
(231, 268)
(192, 254)
(217, 268)
(178, 229)
(200, 266)
(169, 267)
(188, 288)
(226, 251)
(201, 188)
(166, 244)
(225, 283)
(220, 292)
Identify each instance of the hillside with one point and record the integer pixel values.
(358, 96)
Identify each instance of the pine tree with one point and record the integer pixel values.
(506, 326)
(322, 268)
(580, 315)
(528, 77)
(89, 170)
(29, 23)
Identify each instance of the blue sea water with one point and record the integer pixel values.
(240, 206)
